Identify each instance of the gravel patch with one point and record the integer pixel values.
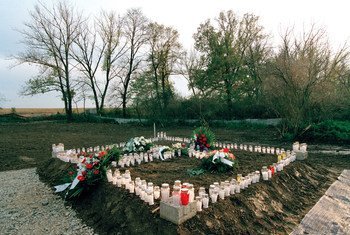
(28, 206)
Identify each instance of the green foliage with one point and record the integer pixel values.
(208, 165)
(329, 131)
(195, 171)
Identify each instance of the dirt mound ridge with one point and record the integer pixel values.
(273, 207)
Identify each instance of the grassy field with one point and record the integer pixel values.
(30, 112)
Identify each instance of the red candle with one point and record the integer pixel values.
(272, 170)
(185, 196)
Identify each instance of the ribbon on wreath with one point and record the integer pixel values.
(221, 157)
(62, 187)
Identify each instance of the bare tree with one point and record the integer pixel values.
(48, 37)
(109, 27)
(134, 31)
(88, 53)
(302, 76)
(191, 65)
(164, 52)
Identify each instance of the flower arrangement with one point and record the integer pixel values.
(203, 138)
(137, 144)
(180, 149)
(219, 161)
(89, 172)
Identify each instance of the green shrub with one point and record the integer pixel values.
(329, 131)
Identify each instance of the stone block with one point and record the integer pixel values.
(177, 214)
(300, 155)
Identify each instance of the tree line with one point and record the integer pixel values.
(233, 68)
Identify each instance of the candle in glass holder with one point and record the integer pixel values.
(132, 186)
(201, 191)
(150, 198)
(227, 188)
(205, 201)
(150, 185)
(199, 203)
(250, 148)
(272, 150)
(241, 146)
(242, 183)
(257, 173)
(176, 196)
(235, 146)
(214, 196)
(233, 186)
(278, 151)
(165, 192)
(222, 192)
(156, 192)
(191, 192)
(265, 173)
(269, 172)
(238, 187)
(239, 178)
(303, 147)
(109, 175)
(185, 196)
(177, 183)
(263, 149)
(211, 189)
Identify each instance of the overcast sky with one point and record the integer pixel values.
(184, 15)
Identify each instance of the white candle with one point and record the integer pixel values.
(150, 197)
(238, 188)
(214, 197)
(269, 174)
(222, 193)
(265, 175)
(205, 201)
(165, 192)
(199, 203)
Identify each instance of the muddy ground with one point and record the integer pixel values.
(273, 207)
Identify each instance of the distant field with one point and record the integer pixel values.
(28, 112)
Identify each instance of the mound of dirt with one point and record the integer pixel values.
(273, 207)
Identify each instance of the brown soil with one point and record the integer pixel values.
(273, 207)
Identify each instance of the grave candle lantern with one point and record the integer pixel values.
(272, 150)
(268, 150)
(109, 175)
(250, 148)
(199, 203)
(150, 198)
(254, 179)
(242, 182)
(233, 186)
(201, 191)
(214, 196)
(296, 146)
(265, 173)
(205, 201)
(263, 149)
(239, 178)
(176, 196)
(257, 173)
(191, 192)
(245, 147)
(303, 147)
(156, 192)
(222, 192)
(185, 197)
(177, 183)
(227, 188)
(211, 189)
(132, 186)
(165, 192)
(241, 146)
(278, 151)
(269, 172)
